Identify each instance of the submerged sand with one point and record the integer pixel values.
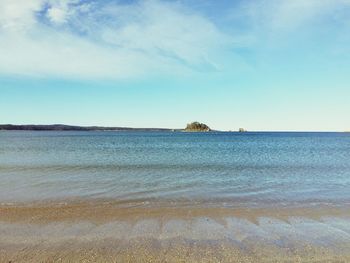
(100, 231)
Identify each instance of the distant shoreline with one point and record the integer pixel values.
(62, 127)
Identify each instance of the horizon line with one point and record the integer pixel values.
(165, 128)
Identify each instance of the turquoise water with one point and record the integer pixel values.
(212, 169)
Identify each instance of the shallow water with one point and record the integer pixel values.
(199, 239)
(209, 169)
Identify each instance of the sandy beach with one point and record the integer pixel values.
(107, 231)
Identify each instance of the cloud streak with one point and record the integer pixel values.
(79, 39)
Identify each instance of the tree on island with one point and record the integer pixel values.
(197, 126)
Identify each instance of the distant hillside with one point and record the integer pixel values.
(61, 127)
(197, 127)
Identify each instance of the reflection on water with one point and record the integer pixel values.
(250, 169)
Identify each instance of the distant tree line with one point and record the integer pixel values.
(60, 127)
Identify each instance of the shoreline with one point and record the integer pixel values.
(107, 210)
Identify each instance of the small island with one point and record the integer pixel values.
(197, 127)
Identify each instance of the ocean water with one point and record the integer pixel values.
(174, 168)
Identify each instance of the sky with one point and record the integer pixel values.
(261, 65)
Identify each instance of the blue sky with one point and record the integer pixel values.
(261, 65)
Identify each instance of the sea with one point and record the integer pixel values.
(210, 169)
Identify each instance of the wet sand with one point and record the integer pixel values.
(102, 211)
(105, 231)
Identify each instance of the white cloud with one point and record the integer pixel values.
(60, 11)
(15, 14)
(57, 15)
(69, 38)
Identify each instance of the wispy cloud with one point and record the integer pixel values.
(291, 14)
(94, 39)
(127, 39)
(295, 28)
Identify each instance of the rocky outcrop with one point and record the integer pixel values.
(197, 127)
